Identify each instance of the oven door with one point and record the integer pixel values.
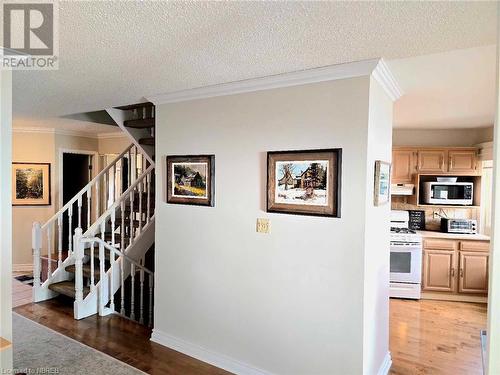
(406, 263)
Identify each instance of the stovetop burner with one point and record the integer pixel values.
(402, 230)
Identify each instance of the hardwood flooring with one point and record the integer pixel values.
(436, 337)
(426, 337)
(118, 337)
(21, 293)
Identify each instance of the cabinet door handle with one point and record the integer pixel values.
(461, 272)
(450, 163)
(415, 155)
(453, 272)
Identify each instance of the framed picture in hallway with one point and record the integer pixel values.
(30, 184)
(191, 179)
(382, 188)
(304, 182)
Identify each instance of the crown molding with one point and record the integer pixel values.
(385, 78)
(322, 74)
(67, 132)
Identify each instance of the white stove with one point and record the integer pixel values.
(406, 258)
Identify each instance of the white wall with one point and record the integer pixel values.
(6, 215)
(442, 137)
(292, 301)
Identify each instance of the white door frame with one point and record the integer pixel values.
(62, 151)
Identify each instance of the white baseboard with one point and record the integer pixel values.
(22, 267)
(205, 355)
(386, 365)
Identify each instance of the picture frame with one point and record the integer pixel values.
(382, 187)
(191, 180)
(31, 184)
(304, 182)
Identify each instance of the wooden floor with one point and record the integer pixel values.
(21, 293)
(426, 337)
(118, 337)
(436, 337)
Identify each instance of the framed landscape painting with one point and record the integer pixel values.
(30, 184)
(191, 179)
(382, 191)
(304, 182)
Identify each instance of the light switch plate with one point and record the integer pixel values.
(263, 225)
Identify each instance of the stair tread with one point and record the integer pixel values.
(141, 123)
(86, 270)
(67, 288)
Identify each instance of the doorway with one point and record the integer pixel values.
(76, 174)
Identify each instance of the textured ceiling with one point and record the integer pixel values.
(114, 53)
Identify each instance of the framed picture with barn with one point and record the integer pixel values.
(304, 182)
(30, 184)
(191, 180)
(382, 193)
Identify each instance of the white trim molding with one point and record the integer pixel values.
(26, 267)
(205, 355)
(68, 132)
(386, 365)
(377, 67)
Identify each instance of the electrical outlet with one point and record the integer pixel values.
(263, 225)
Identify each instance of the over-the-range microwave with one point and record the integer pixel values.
(452, 193)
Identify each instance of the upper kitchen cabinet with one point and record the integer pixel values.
(403, 165)
(431, 161)
(462, 161)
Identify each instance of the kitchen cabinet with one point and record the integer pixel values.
(439, 270)
(432, 161)
(455, 267)
(403, 166)
(462, 161)
(473, 276)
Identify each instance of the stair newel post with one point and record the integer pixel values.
(59, 239)
(141, 302)
(132, 290)
(103, 281)
(36, 243)
(150, 317)
(78, 247)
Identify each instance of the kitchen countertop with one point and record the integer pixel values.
(453, 236)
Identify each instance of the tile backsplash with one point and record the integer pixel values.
(433, 214)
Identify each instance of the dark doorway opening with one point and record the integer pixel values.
(77, 171)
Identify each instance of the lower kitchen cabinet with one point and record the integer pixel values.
(473, 272)
(455, 267)
(439, 270)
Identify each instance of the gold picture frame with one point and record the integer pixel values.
(31, 184)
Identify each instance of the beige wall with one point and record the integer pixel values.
(113, 145)
(291, 301)
(441, 137)
(40, 148)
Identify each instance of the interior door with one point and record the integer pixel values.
(76, 175)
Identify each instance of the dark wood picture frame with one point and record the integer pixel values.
(333, 185)
(209, 199)
(47, 188)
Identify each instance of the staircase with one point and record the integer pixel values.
(104, 268)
